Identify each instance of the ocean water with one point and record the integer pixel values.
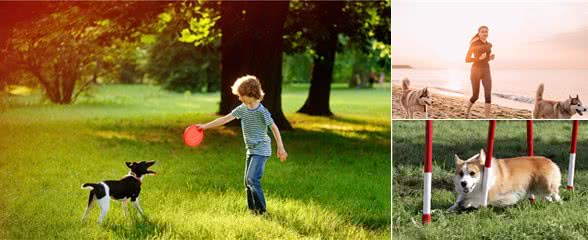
(510, 87)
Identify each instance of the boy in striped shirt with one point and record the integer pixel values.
(255, 119)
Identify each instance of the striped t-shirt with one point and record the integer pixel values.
(254, 123)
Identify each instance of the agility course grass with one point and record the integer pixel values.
(335, 183)
(465, 138)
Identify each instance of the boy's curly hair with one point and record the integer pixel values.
(248, 85)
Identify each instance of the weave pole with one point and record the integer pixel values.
(530, 151)
(427, 172)
(488, 163)
(572, 164)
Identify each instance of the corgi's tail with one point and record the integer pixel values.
(405, 84)
(89, 186)
(539, 95)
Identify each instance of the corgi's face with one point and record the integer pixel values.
(576, 105)
(468, 173)
(141, 168)
(425, 97)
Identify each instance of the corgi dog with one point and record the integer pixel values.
(415, 100)
(509, 180)
(127, 188)
(556, 110)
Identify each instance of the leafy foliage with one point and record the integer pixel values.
(55, 56)
(363, 27)
(68, 47)
(185, 55)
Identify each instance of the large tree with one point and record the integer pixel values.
(317, 26)
(252, 43)
(58, 43)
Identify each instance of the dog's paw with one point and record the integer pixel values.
(454, 208)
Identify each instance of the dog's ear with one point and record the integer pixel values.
(129, 164)
(458, 161)
(570, 96)
(577, 97)
(482, 157)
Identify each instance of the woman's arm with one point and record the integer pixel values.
(469, 58)
(471, 50)
(217, 122)
(282, 154)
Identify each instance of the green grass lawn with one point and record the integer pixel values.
(335, 183)
(465, 138)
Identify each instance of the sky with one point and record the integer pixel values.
(524, 34)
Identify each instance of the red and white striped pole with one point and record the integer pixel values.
(488, 163)
(530, 151)
(427, 172)
(572, 164)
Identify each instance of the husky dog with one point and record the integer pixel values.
(556, 110)
(509, 180)
(415, 100)
(127, 188)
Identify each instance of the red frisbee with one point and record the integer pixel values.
(193, 136)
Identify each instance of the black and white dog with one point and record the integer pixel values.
(127, 188)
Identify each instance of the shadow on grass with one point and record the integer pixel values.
(139, 229)
(360, 121)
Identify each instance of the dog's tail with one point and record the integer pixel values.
(89, 185)
(539, 95)
(405, 84)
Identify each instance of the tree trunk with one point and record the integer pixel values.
(252, 44)
(317, 102)
(231, 23)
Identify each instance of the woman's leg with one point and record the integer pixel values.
(487, 82)
(475, 80)
(253, 181)
(475, 76)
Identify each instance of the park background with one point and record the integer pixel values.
(86, 86)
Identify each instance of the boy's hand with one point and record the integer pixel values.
(282, 154)
(200, 126)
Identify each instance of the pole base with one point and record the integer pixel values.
(426, 219)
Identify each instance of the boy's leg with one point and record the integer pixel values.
(250, 201)
(254, 174)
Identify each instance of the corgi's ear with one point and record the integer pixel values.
(570, 96)
(129, 164)
(482, 157)
(458, 161)
(577, 97)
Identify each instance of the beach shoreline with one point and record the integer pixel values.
(452, 106)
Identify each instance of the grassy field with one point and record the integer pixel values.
(335, 183)
(466, 138)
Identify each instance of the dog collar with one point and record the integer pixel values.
(134, 176)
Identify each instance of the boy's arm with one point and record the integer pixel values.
(282, 154)
(217, 122)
